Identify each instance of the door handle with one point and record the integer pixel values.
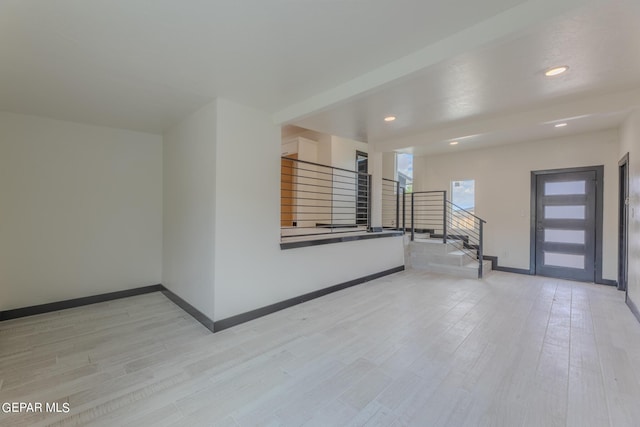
(540, 227)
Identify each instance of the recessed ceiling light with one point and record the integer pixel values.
(389, 118)
(556, 71)
(560, 125)
(454, 143)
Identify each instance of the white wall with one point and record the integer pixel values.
(81, 210)
(343, 155)
(306, 149)
(251, 269)
(389, 165)
(503, 188)
(324, 149)
(343, 152)
(189, 207)
(319, 211)
(630, 143)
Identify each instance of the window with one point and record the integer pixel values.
(404, 168)
(463, 194)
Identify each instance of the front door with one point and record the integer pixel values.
(565, 225)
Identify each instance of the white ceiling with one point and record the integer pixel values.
(498, 94)
(460, 69)
(145, 64)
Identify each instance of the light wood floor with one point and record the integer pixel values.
(413, 348)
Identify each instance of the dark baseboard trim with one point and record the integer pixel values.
(493, 259)
(419, 230)
(633, 307)
(194, 312)
(514, 270)
(263, 311)
(76, 302)
(338, 239)
(496, 267)
(324, 225)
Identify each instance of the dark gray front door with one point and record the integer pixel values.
(565, 233)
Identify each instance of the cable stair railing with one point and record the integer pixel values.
(431, 213)
(317, 199)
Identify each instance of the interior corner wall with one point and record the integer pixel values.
(630, 143)
(189, 209)
(251, 269)
(81, 210)
(503, 188)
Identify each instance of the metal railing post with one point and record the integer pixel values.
(413, 223)
(333, 186)
(397, 205)
(404, 210)
(369, 184)
(480, 266)
(444, 217)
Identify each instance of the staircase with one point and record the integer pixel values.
(445, 238)
(432, 254)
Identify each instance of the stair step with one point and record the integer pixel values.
(447, 258)
(468, 270)
(457, 258)
(431, 246)
(457, 253)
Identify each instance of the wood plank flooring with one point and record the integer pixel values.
(411, 349)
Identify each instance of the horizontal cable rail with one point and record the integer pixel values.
(321, 199)
(426, 214)
(464, 231)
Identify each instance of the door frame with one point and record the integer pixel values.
(623, 223)
(599, 170)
